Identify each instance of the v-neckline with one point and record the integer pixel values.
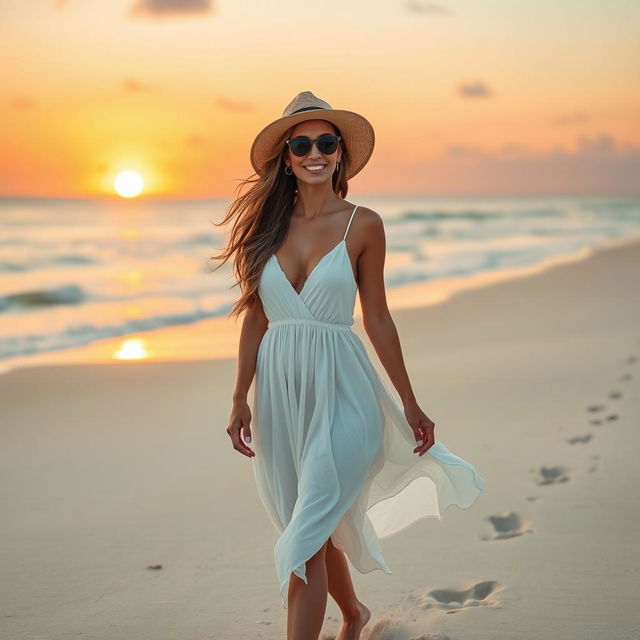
(284, 275)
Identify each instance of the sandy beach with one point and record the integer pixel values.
(110, 469)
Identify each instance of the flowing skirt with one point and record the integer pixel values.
(334, 452)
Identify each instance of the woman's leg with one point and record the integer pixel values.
(308, 602)
(340, 586)
(339, 582)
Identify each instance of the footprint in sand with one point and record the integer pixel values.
(583, 439)
(508, 526)
(551, 475)
(631, 360)
(600, 407)
(594, 408)
(479, 594)
(614, 395)
(625, 377)
(385, 629)
(388, 630)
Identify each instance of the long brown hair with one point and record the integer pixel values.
(262, 216)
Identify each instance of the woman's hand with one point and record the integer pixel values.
(239, 424)
(422, 427)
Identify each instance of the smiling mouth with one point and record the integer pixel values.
(315, 168)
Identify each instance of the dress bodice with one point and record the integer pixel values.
(327, 296)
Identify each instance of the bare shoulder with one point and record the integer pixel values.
(370, 228)
(368, 216)
(371, 258)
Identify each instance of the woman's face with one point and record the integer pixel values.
(313, 129)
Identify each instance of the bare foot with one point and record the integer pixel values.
(351, 629)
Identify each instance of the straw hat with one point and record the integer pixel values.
(356, 131)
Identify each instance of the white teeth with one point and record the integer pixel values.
(316, 167)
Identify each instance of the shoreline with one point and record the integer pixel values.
(219, 336)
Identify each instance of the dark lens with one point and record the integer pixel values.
(300, 146)
(327, 143)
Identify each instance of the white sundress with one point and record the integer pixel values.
(334, 452)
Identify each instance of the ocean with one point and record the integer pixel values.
(73, 272)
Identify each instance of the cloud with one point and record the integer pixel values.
(601, 145)
(169, 8)
(234, 105)
(592, 164)
(426, 7)
(474, 90)
(131, 85)
(22, 103)
(595, 164)
(569, 119)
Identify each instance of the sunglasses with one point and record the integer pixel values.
(327, 143)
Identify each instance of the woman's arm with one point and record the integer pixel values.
(254, 326)
(380, 326)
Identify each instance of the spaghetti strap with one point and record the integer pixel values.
(348, 225)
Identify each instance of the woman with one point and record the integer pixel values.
(338, 462)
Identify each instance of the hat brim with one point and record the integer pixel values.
(356, 131)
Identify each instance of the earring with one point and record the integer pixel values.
(288, 170)
(337, 165)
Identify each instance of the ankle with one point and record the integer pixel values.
(354, 614)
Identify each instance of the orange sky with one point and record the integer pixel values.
(465, 97)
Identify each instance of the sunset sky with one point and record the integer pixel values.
(466, 97)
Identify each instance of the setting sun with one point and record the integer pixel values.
(129, 184)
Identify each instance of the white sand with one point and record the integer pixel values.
(107, 469)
